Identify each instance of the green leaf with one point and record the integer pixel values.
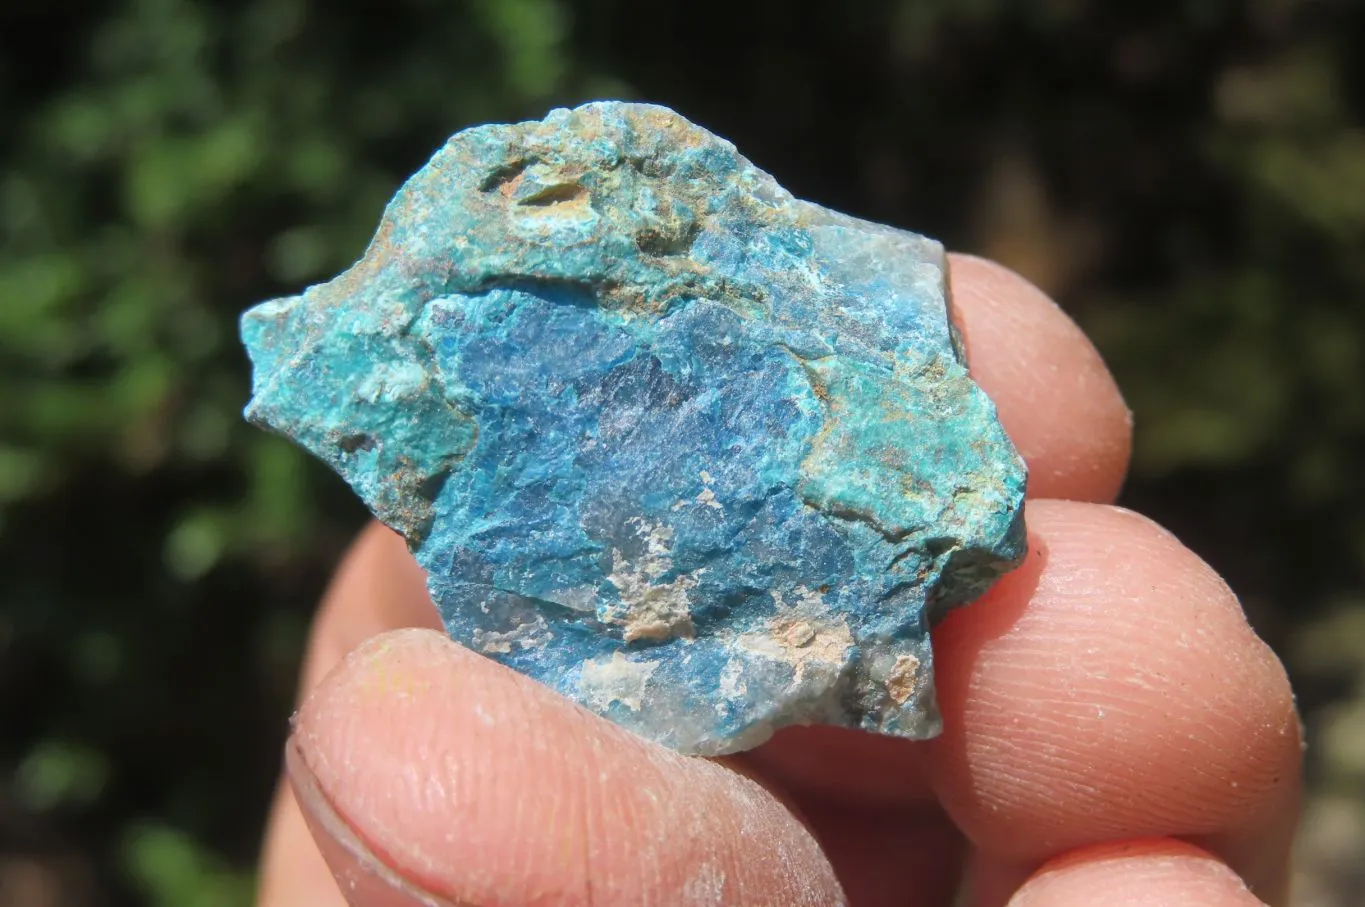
(171, 869)
(59, 773)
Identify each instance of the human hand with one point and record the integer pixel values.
(1114, 732)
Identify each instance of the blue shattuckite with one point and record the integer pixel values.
(698, 455)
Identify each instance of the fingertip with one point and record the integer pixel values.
(1112, 689)
(482, 787)
(359, 874)
(1056, 398)
(1144, 873)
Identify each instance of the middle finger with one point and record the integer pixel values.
(1113, 689)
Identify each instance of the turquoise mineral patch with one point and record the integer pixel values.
(698, 455)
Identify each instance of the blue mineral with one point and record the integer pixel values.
(700, 456)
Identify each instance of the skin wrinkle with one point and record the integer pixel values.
(1112, 775)
(1052, 761)
(641, 818)
(594, 824)
(725, 865)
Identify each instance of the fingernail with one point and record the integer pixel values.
(364, 879)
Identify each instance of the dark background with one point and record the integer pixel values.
(1187, 178)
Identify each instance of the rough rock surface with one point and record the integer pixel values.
(700, 456)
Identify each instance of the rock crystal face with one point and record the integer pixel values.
(696, 454)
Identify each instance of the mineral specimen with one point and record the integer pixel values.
(698, 455)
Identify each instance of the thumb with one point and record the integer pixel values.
(430, 775)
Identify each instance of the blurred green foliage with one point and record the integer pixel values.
(1188, 178)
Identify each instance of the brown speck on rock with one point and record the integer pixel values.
(900, 682)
